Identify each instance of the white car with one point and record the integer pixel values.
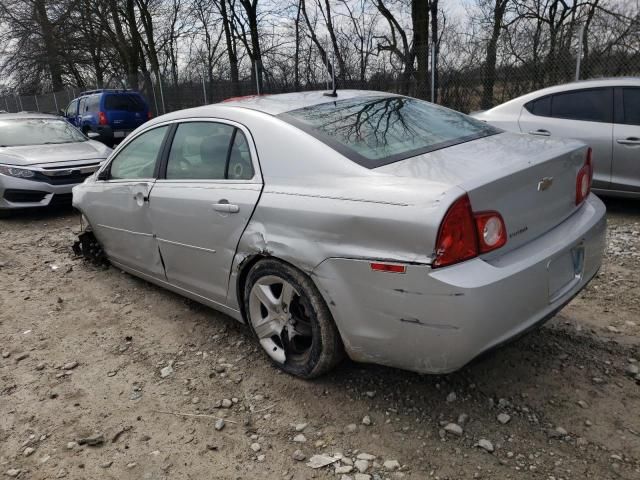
(604, 114)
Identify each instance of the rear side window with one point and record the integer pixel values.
(209, 151)
(378, 130)
(93, 103)
(126, 102)
(631, 106)
(587, 105)
(540, 107)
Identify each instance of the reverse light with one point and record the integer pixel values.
(492, 233)
(102, 118)
(388, 267)
(584, 179)
(464, 234)
(16, 172)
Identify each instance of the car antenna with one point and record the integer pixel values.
(334, 93)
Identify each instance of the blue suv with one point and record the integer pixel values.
(108, 115)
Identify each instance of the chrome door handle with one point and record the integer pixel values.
(629, 141)
(226, 208)
(541, 132)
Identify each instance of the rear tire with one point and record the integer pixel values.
(291, 320)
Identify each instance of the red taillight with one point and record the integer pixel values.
(584, 179)
(464, 235)
(492, 233)
(102, 118)
(149, 115)
(457, 239)
(388, 267)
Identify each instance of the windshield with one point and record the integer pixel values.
(126, 102)
(37, 131)
(378, 130)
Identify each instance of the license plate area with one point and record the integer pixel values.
(565, 272)
(120, 134)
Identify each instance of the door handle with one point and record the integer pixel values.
(629, 141)
(542, 132)
(226, 207)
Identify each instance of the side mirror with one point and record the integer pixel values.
(62, 113)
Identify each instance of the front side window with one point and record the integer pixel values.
(586, 105)
(138, 158)
(631, 105)
(378, 130)
(209, 151)
(38, 131)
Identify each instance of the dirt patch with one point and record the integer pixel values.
(103, 375)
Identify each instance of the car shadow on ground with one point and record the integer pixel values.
(38, 214)
(622, 206)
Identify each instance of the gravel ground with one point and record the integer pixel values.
(103, 375)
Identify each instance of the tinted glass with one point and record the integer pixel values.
(126, 102)
(375, 131)
(199, 151)
(588, 105)
(541, 107)
(38, 131)
(631, 101)
(240, 166)
(71, 109)
(138, 158)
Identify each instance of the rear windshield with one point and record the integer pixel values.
(37, 131)
(126, 102)
(378, 130)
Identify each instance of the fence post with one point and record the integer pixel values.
(55, 102)
(204, 91)
(579, 56)
(6, 102)
(433, 72)
(164, 109)
(20, 102)
(37, 106)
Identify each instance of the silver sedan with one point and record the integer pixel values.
(604, 114)
(41, 158)
(394, 230)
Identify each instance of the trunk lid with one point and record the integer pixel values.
(530, 181)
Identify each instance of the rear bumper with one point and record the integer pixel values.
(436, 321)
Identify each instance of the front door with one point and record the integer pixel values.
(119, 206)
(202, 205)
(626, 141)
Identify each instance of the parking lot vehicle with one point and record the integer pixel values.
(41, 158)
(109, 114)
(604, 114)
(404, 233)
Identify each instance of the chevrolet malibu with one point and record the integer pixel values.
(384, 227)
(41, 158)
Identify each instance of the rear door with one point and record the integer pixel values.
(209, 186)
(125, 112)
(118, 207)
(585, 115)
(626, 140)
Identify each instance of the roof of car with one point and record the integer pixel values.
(26, 115)
(285, 102)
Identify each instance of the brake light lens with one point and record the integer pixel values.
(464, 234)
(102, 118)
(457, 238)
(492, 233)
(584, 179)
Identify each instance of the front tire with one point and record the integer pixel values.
(291, 320)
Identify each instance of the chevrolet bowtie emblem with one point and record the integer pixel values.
(545, 183)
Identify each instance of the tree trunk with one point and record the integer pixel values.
(50, 44)
(231, 51)
(420, 20)
(492, 52)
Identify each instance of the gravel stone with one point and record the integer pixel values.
(219, 425)
(504, 418)
(485, 445)
(166, 371)
(391, 465)
(226, 403)
(361, 465)
(454, 429)
(300, 438)
(452, 397)
(255, 447)
(299, 456)
(366, 420)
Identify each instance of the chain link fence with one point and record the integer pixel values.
(462, 88)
